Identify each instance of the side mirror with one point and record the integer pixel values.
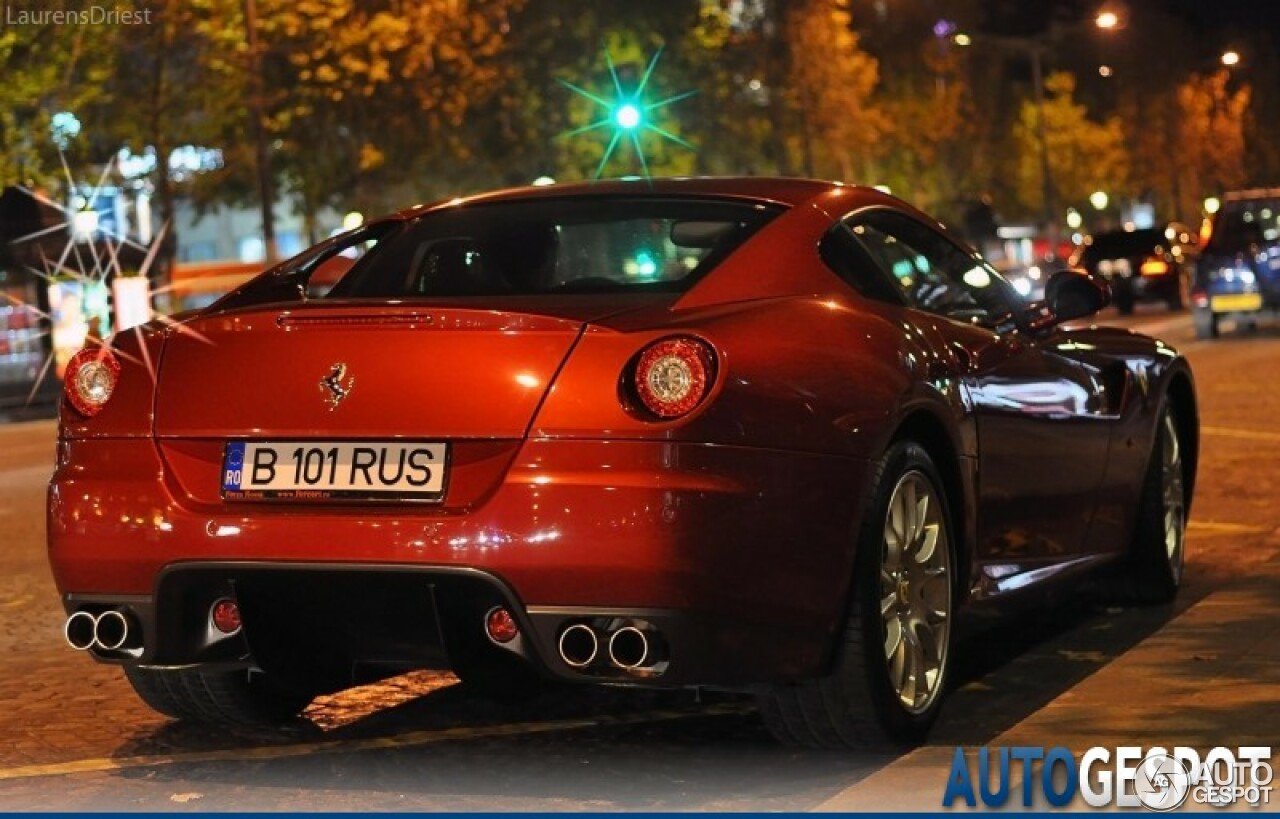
(1073, 294)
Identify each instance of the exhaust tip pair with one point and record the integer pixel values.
(628, 647)
(108, 631)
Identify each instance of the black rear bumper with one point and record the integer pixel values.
(323, 627)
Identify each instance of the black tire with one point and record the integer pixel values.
(1206, 323)
(1151, 573)
(1181, 294)
(226, 698)
(1122, 295)
(855, 705)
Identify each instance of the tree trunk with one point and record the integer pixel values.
(307, 204)
(262, 151)
(806, 137)
(161, 273)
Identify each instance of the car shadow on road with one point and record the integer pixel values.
(628, 749)
(1015, 659)
(599, 747)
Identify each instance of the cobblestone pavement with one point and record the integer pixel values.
(77, 738)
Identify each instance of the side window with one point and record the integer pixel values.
(849, 260)
(932, 273)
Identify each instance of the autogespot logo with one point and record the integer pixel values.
(1124, 777)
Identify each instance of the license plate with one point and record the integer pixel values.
(324, 471)
(1237, 302)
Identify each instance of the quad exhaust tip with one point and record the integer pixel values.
(79, 630)
(629, 648)
(628, 645)
(579, 645)
(109, 631)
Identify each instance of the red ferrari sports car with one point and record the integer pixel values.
(767, 435)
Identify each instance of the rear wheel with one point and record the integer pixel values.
(1180, 296)
(1122, 295)
(234, 698)
(1206, 322)
(1152, 572)
(891, 671)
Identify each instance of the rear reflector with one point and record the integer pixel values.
(500, 625)
(225, 615)
(91, 377)
(673, 376)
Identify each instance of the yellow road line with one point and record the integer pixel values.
(409, 739)
(1246, 434)
(1213, 527)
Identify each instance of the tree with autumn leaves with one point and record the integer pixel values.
(1084, 155)
(373, 104)
(45, 70)
(1211, 132)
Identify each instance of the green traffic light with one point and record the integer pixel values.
(627, 116)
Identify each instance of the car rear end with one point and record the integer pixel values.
(1238, 273)
(1151, 264)
(494, 440)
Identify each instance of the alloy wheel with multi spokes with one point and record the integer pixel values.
(891, 667)
(1173, 496)
(1152, 570)
(915, 593)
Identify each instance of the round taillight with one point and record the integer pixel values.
(91, 377)
(673, 376)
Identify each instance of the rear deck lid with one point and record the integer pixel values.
(339, 370)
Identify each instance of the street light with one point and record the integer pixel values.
(1230, 58)
(84, 224)
(1212, 204)
(1035, 48)
(1099, 200)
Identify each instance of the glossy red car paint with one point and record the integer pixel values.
(732, 526)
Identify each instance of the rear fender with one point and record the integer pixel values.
(799, 374)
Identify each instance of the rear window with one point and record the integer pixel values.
(1122, 245)
(1244, 222)
(554, 246)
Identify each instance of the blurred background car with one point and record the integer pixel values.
(1150, 264)
(1238, 274)
(1028, 280)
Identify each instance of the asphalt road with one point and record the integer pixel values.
(77, 739)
